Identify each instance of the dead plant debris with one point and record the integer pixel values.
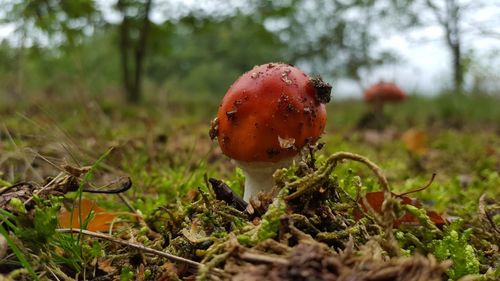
(309, 228)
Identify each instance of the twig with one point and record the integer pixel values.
(358, 158)
(299, 234)
(7, 188)
(253, 257)
(46, 186)
(124, 187)
(140, 247)
(274, 246)
(484, 214)
(58, 272)
(418, 189)
(204, 271)
(311, 181)
(127, 203)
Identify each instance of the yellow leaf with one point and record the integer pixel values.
(101, 219)
(415, 141)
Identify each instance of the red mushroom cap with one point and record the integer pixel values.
(384, 92)
(270, 113)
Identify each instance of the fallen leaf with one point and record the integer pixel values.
(436, 218)
(376, 200)
(106, 265)
(98, 219)
(415, 141)
(76, 171)
(169, 272)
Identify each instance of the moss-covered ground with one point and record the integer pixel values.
(53, 152)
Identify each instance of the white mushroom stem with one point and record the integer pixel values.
(259, 176)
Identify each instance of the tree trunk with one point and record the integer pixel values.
(458, 74)
(454, 42)
(124, 51)
(140, 54)
(17, 91)
(449, 18)
(133, 67)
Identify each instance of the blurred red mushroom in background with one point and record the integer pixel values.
(265, 119)
(384, 92)
(377, 96)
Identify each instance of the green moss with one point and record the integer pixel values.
(126, 274)
(44, 223)
(244, 239)
(455, 246)
(269, 225)
(421, 215)
(17, 205)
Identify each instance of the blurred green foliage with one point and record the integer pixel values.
(193, 51)
(193, 56)
(204, 56)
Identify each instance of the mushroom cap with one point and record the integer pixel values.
(270, 113)
(384, 92)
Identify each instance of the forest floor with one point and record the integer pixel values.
(162, 217)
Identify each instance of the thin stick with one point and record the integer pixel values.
(46, 186)
(140, 247)
(124, 187)
(484, 214)
(6, 188)
(127, 203)
(252, 257)
(329, 166)
(418, 189)
(46, 160)
(358, 158)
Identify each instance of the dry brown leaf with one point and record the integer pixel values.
(106, 265)
(76, 171)
(376, 200)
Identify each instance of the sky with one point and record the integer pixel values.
(420, 68)
(425, 61)
(424, 57)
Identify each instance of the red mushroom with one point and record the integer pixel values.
(266, 117)
(384, 92)
(377, 95)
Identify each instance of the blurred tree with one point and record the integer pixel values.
(134, 32)
(485, 73)
(187, 49)
(448, 15)
(65, 24)
(57, 22)
(337, 38)
(461, 22)
(7, 64)
(203, 55)
(51, 21)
